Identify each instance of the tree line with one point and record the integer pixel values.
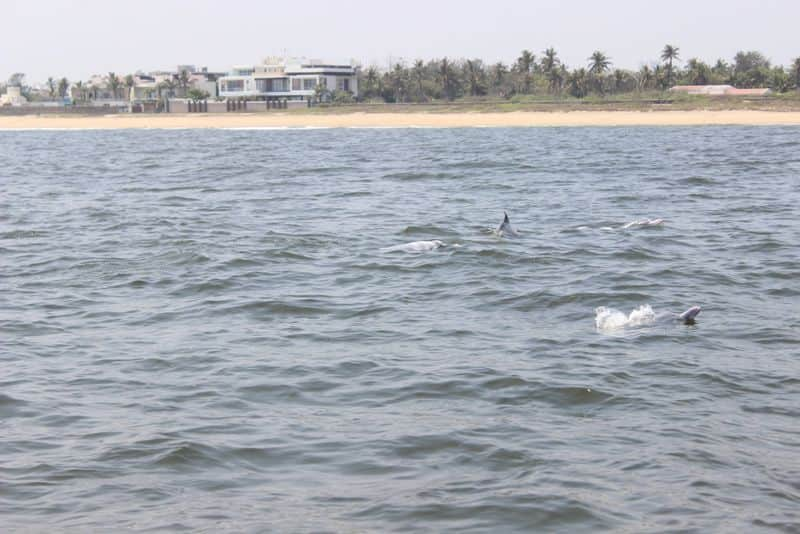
(113, 86)
(547, 74)
(530, 74)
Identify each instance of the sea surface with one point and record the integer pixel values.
(203, 330)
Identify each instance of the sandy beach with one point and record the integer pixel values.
(405, 120)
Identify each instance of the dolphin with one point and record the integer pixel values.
(609, 319)
(416, 247)
(505, 229)
(688, 316)
(644, 222)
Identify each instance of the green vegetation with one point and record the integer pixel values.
(197, 95)
(114, 84)
(530, 82)
(448, 80)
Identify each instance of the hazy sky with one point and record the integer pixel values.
(76, 38)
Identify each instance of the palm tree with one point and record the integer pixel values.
(721, 71)
(321, 93)
(499, 72)
(446, 75)
(658, 76)
(51, 86)
(524, 65)
(419, 75)
(550, 68)
(371, 82)
(113, 84)
(669, 54)
(183, 80)
(598, 65)
(644, 79)
(550, 60)
(525, 61)
(578, 83)
(697, 72)
(170, 85)
(63, 87)
(796, 73)
(474, 74)
(563, 76)
(620, 79)
(129, 83)
(399, 83)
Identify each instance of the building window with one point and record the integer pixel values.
(233, 86)
(343, 84)
(309, 84)
(297, 84)
(276, 85)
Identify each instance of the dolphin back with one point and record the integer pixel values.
(505, 228)
(689, 315)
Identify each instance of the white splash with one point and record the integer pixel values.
(610, 319)
(644, 222)
(415, 247)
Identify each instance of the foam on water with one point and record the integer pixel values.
(609, 319)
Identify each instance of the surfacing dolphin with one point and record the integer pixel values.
(416, 247)
(609, 319)
(505, 229)
(688, 316)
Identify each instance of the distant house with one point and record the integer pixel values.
(288, 79)
(151, 90)
(100, 92)
(172, 86)
(13, 97)
(145, 88)
(205, 81)
(719, 90)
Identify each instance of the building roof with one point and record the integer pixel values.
(727, 90)
(759, 91)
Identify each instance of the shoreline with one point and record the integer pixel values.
(361, 119)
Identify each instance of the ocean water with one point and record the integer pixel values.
(204, 331)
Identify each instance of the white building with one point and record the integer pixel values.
(292, 79)
(13, 97)
(719, 90)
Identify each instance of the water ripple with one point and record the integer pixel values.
(219, 344)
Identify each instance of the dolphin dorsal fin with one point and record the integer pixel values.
(505, 219)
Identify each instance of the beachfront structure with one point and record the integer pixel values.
(13, 97)
(719, 90)
(289, 79)
(152, 87)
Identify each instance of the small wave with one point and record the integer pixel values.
(609, 319)
(426, 229)
(697, 180)
(413, 176)
(6, 400)
(23, 234)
